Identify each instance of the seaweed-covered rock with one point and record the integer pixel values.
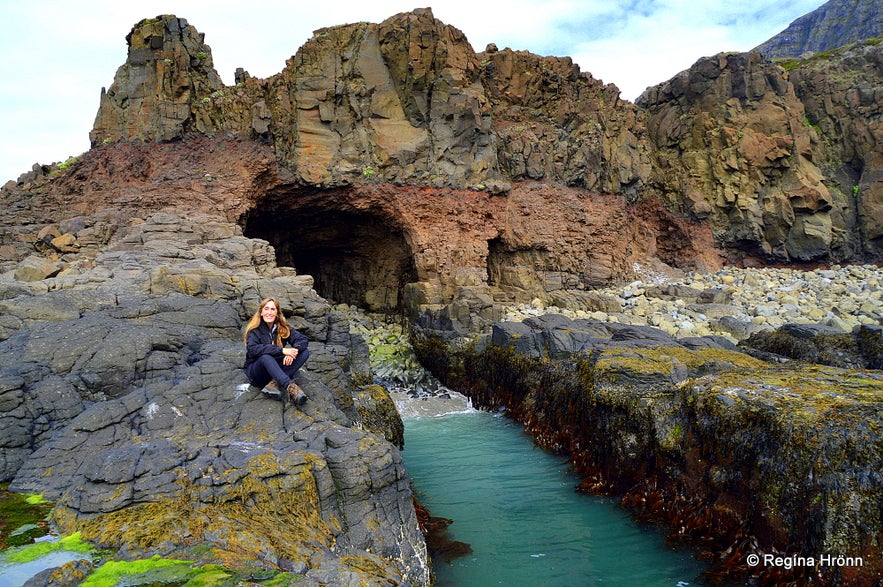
(818, 343)
(734, 454)
(198, 461)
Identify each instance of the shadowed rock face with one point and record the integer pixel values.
(736, 120)
(356, 256)
(842, 102)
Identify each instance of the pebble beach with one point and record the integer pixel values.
(743, 301)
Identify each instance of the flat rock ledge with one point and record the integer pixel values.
(122, 400)
(732, 454)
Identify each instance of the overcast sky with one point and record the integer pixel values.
(56, 55)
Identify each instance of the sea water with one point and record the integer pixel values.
(516, 506)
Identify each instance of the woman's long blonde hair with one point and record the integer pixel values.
(282, 328)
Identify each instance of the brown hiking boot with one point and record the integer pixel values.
(296, 394)
(272, 389)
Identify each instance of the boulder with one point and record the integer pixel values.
(821, 343)
(34, 268)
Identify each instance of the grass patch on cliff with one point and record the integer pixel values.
(64, 165)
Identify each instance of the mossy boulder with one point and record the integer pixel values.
(379, 414)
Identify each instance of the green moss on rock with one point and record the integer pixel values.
(274, 508)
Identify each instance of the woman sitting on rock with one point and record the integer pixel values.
(267, 357)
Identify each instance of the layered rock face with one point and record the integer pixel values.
(321, 155)
(729, 160)
(556, 123)
(380, 246)
(125, 403)
(168, 68)
(733, 148)
(843, 103)
(401, 100)
(781, 162)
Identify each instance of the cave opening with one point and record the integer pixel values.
(355, 257)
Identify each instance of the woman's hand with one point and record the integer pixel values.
(290, 354)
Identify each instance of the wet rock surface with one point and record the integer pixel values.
(732, 453)
(124, 402)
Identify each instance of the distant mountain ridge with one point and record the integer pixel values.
(834, 24)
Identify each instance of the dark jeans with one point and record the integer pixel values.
(268, 367)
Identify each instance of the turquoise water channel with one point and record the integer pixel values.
(515, 504)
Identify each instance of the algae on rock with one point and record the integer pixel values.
(731, 453)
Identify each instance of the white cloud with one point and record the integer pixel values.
(58, 54)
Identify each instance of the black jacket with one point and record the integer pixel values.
(260, 342)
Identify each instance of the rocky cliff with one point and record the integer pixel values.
(403, 172)
(498, 176)
(124, 403)
(841, 98)
(834, 24)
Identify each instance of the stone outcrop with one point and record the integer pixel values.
(406, 172)
(124, 402)
(817, 343)
(733, 149)
(843, 104)
(558, 124)
(168, 71)
(380, 246)
(732, 454)
(400, 101)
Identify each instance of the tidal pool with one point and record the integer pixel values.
(516, 506)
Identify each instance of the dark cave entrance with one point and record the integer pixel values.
(354, 257)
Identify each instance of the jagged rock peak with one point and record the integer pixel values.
(832, 25)
(401, 99)
(168, 68)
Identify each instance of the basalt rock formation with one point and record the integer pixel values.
(124, 403)
(407, 172)
(842, 101)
